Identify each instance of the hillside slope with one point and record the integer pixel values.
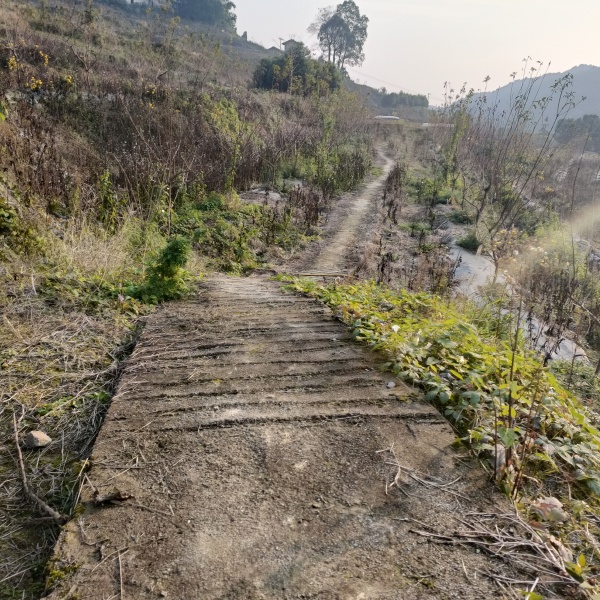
(585, 84)
(125, 139)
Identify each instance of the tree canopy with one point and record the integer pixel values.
(212, 12)
(396, 99)
(342, 33)
(297, 73)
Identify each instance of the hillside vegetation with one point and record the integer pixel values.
(128, 135)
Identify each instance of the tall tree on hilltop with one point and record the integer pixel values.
(297, 73)
(342, 33)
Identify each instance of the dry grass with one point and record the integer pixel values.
(59, 365)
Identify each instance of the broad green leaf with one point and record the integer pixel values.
(464, 328)
(574, 571)
(594, 485)
(508, 436)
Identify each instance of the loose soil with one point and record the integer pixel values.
(252, 451)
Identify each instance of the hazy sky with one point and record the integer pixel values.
(417, 45)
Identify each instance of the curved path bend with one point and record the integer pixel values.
(252, 452)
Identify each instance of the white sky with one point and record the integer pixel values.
(417, 45)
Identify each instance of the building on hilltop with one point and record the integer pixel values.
(291, 45)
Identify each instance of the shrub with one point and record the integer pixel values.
(212, 202)
(166, 278)
(460, 217)
(15, 234)
(469, 242)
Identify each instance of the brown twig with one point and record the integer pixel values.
(524, 548)
(120, 575)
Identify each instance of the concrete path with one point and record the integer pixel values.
(253, 451)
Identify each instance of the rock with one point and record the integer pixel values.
(37, 439)
(550, 509)
(391, 385)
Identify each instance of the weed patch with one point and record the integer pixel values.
(16, 235)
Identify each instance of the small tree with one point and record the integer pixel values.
(497, 155)
(166, 278)
(342, 33)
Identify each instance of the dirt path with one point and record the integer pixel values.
(258, 447)
(347, 229)
(333, 256)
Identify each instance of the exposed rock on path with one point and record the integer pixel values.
(261, 448)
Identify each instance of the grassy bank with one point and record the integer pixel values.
(535, 438)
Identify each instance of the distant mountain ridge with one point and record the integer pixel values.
(586, 83)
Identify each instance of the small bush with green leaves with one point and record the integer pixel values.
(460, 217)
(17, 236)
(166, 278)
(469, 242)
(212, 202)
